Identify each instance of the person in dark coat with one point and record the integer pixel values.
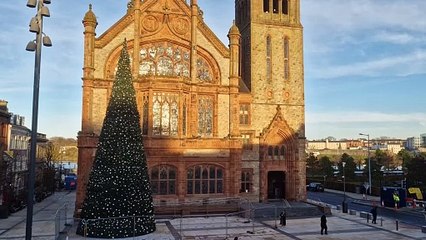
(373, 212)
(324, 224)
(283, 220)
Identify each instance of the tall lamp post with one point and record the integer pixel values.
(344, 182)
(369, 163)
(344, 204)
(36, 26)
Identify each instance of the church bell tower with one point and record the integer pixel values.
(272, 69)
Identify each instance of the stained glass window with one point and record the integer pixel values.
(147, 68)
(165, 66)
(184, 117)
(145, 116)
(205, 116)
(204, 179)
(165, 59)
(165, 111)
(163, 180)
(203, 71)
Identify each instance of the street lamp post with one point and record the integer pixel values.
(369, 162)
(344, 182)
(344, 204)
(36, 26)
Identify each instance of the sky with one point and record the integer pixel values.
(364, 60)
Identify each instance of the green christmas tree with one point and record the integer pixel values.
(118, 200)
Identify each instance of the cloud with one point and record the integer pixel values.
(355, 15)
(365, 117)
(397, 38)
(400, 65)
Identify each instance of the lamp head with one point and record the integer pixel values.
(46, 1)
(34, 27)
(46, 41)
(31, 46)
(31, 3)
(45, 11)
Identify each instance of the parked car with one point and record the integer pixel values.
(315, 187)
(70, 182)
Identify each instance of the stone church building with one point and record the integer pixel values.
(218, 119)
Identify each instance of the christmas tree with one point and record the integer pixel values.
(118, 199)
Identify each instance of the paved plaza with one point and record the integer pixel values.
(49, 223)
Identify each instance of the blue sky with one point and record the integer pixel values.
(365, 63)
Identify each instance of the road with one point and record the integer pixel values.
(404, 216)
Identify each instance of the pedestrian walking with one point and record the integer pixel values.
(373, 212)
(323, 224)
(283, 218)
(396, 199)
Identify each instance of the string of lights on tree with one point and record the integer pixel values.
(118, 200)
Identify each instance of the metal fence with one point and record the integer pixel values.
(250, 220)
(62, 220)
(130, 230)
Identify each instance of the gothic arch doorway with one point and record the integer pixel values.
(276, 185)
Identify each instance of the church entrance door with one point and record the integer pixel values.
(276, 185)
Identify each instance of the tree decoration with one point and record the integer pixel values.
(118, 199)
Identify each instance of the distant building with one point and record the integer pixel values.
(412, 143)
(14, 156)
(423, 140)
(19, 151)
(384, 144)
(327, 144)
(4, 125)
(4, 133)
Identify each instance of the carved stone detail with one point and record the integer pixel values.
(181, 25)
(150, 23)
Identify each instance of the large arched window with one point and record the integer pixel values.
(268, 58)
(204, 179)
(145, 114)
(205, 116)
(266, 6)
(165, 113)
(184, 110)
(275, 6)
(167, 59)
(285, 6)
(163, 180)
(286, 58)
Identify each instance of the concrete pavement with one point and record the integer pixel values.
(44, 214)
(340, 225)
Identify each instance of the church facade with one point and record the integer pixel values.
(217, 121)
